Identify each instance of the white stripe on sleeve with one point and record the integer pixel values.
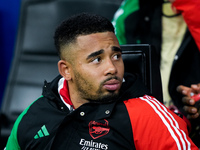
(165, 115)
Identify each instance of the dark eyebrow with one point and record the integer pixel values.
(94, 54)
(116, 49)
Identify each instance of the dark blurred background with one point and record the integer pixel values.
(9, 15)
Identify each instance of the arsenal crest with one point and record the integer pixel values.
(98, 129)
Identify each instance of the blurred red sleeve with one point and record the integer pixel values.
(190, 10)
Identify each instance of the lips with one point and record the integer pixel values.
(112, 85)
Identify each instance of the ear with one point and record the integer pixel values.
(64, 69)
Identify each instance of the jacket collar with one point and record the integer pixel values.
(131, 88)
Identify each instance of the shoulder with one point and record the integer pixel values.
(142, 109)
(41, 114)
(160, 127)
(142, 103)
(150, 108)
(148, 111)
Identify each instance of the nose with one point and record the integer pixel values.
(110, 68)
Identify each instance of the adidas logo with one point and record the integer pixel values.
(42, 132)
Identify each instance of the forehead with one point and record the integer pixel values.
(97, 41)
(87, 44)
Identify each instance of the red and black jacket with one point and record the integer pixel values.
(133, 121)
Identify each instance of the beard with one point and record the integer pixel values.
(106, 98)
(84, 88)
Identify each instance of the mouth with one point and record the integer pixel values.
(112, 85)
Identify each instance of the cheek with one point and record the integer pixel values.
(90, 71)
(89, 83)
(90, 75)
(93, 78)
(120, 68)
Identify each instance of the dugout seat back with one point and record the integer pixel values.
(143, 60)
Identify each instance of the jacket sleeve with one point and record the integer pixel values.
(127, 7)
(190, 10)
(12, 143)
(156, 127)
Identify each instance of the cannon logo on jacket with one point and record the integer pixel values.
(98, 129)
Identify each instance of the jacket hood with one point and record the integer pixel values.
(133, 87)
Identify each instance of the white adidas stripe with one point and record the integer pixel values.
(158, 108)
(183, 140)
(177, 129)
(164, 121)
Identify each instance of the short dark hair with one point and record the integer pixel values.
(80, 24)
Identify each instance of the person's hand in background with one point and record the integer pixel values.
(189, 99)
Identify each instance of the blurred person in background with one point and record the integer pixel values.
(173, 28)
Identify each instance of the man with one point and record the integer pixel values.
(93, 105)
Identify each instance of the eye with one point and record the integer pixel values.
(117, 56)
(96, 60)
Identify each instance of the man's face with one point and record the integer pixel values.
(98, 69)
